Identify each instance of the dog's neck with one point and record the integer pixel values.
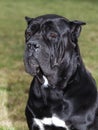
(62, 76)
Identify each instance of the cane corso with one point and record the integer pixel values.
(63, 94)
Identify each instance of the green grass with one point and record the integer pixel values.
(14, 82)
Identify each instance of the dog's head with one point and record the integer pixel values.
(51, 43)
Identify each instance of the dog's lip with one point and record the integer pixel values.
(33, 65)
(32, 69)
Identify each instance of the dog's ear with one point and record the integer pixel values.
(28, 19)
(76, 27)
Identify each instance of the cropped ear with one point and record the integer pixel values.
(76, 27)
(28, 19)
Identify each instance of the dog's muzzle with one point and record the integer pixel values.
(30, 62)
(31, 65)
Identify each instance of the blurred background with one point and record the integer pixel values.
(14, 82)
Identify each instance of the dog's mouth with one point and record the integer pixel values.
(33, 68)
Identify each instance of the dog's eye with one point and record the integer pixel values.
(28, 34)
(53, 35)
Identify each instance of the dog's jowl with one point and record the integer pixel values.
(63, 94)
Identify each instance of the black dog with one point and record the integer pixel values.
(63, 94)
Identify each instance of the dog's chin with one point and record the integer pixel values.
(32, 70)
(31, 66)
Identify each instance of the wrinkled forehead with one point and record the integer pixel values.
(60, 23)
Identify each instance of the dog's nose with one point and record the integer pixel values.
(32, 45)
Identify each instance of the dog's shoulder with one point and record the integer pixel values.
(82, 90)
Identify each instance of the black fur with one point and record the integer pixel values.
(52, 50)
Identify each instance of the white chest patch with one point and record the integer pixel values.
(45, 84)
(50, 121)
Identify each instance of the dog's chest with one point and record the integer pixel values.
(47, 101)
(47, 104)
(50, 122)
